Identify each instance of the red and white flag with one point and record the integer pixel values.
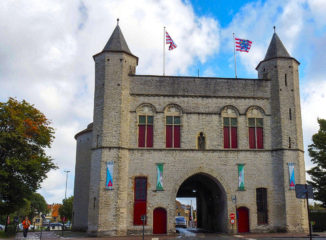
(170, 41)
(242, 45)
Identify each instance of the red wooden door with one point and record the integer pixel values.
(159, 221)
(243, 219)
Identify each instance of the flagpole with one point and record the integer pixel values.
(235, 59)
(164, 51)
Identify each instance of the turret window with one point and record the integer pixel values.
(256, 133)
(285, 80)
(290, 114)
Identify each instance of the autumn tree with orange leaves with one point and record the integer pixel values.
(25, 133)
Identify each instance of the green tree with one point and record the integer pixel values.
(317, 152)
(66, 209)
(25, 133)
(37, 205)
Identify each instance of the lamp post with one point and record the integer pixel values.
(66, 182)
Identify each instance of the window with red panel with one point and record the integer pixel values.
(172, 131)
(145, 131)
(256, 133)
(230, 132)
(140, 198)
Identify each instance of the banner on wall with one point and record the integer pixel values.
(291, 175)
(159, 182)
(109, 175)
(241, 176)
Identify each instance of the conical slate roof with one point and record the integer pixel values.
(117, 42)
(276, 49)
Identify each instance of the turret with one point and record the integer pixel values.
(282, 70)
(113, 65)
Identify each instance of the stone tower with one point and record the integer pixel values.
(112, 67)
(286, 125)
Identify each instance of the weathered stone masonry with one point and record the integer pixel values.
(121, 95)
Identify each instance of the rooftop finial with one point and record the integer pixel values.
(274, 28)
(117, 21)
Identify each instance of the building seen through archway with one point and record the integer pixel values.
(210, 201)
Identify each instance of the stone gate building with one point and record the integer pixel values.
(234, 144)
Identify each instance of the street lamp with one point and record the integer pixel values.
(66, 182)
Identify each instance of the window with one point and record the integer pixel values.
(285, 80)
(261, 200)
(172, 131)
(290, 114)
(230, 132)
(145, 131)
(230, 127)
(140, 196)
(256, 133)
(172, 126)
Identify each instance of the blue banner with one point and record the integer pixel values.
(109, 175)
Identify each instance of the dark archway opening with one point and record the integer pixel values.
(211, 201)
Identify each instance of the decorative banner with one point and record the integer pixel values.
(291, 176)
(241, 176)
(159, 182)
(109, 175)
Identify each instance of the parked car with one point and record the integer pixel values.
(180, 222)
(54, 226)
(2, 227)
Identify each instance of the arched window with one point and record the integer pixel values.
(145, 126)
(230, 127)
(172, 127)
(256, 128)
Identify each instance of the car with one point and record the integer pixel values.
(2, 227)
(180, 222)
(54, 226)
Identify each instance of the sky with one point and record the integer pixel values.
(46, 49)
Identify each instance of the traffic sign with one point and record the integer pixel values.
(232, 215)
(232, 221)
(302, 189)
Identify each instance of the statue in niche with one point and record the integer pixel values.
(201, 141)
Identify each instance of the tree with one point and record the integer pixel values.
(66, 209)
(25, 133)
(38, 205)
(317, 152)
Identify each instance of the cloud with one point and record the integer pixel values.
(301, 27)
(46, 49)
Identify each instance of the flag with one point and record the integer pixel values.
(170, 41)
(291, 175)
(159, 182)
(241, 176)
(242, 45)
(109, 175)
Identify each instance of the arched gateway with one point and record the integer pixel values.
(211, 201)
